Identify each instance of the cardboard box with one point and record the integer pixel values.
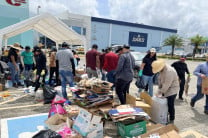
(191, 133)
(88, 125)
(205, 86)
(169, 131)
(1, 87)
(77, 79)
(141, 104)
(131, 130)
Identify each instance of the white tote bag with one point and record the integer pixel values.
(159, 111)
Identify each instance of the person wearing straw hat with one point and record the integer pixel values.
(13, 65)
(168, 84)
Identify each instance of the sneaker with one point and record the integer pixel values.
(192, 103)
(206, 112)
(15, 85)
(26, 90)
(31, 92)
(20, 84)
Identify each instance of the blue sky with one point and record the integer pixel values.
(103, 8)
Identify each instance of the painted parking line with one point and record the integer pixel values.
(13, 127)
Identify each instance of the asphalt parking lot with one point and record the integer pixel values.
(187, 118)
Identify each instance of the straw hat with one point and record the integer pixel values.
(16, 46)
(158, 65)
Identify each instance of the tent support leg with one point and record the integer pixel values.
(57, 45)
(1, 41)
(5, 43)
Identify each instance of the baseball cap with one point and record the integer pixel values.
(126, 46)
(183, 57)
(153, 50)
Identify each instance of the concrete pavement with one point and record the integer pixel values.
(187, 118)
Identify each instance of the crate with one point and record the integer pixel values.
(131, 130)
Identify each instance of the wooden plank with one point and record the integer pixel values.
(23, 106)
(13, 99)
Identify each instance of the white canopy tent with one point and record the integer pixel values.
(47, 25)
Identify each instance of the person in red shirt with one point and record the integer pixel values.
(102, 60)
(110, 64)
(92, 62)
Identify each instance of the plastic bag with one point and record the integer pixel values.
(139, 83)
(39, 96)
(56, 108)
(48, 94)
(58, 99)
(47, 134)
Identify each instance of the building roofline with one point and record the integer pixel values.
(96, 19)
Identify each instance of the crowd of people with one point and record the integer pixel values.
(116, 67)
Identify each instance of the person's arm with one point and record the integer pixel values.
(198, 73)
(44, 61)
(120, 64)
(34, 61)
(22, 62)
(168, 81)
(140, 73)
(73, 66)
(14, 62)
(173, 65)
(105, 63)
(187, 70)
(98, 61)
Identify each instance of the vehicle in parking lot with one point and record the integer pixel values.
(138, 56)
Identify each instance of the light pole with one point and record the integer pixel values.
(37, 34)
(38, 9)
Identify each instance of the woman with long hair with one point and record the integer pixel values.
(13, 65)
(146, 70)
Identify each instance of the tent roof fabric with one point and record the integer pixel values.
(47, 25)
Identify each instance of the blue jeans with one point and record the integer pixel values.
(66, 77)
(111, 76)
(148, 80)
(28, 67)
(103, 75)
(200, 95)
(27, 72)
(14, 73)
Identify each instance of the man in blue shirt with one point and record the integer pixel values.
(201, 72)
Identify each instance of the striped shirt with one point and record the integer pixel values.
(64, 57)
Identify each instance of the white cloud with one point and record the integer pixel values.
(87, 7)
(188, 16)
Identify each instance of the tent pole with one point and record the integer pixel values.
(5, 43)
(57, 45)
(1, 40)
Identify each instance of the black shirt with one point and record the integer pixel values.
(12, 53)
(180, 68)
(40, 61)
(147, 70)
